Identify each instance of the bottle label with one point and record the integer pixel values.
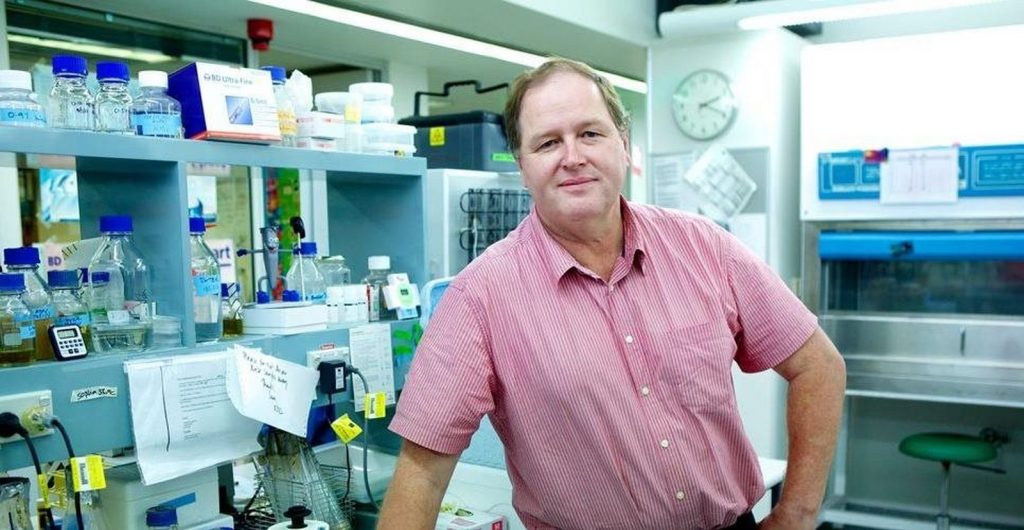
(22, 117)
(44, 313)
(13, 339)
(28, 332)
(81, 320)
(206, 285)
(289, 124)
(374, 302)
(316, 298)
(118, 316)
(163, 125)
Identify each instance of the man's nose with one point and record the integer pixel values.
(572, 156)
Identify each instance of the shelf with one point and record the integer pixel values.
(105, 423)
(87, 144)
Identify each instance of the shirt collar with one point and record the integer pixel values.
(558, 261)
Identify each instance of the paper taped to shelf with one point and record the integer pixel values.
(271, 390)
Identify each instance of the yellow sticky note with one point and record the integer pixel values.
(436, 136)
(346, 429)
(87, 473)
(374, 405)
(353, 113)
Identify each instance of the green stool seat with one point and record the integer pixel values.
(948, 447)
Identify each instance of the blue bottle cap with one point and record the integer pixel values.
(277, 73)
(115, 223)
(262, 297)
(58, 279)
(21, 256)
(101, 276)
(112, 70)
(196, 225)
(308, 248)
(224, 293)
(161, 516)
(12, 281)
(290, 296)
(69, 64)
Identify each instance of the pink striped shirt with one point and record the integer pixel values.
(614, 400)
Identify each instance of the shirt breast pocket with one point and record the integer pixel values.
(697, 362)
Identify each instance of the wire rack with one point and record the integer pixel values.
(276, 495)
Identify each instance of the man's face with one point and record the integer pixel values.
(573, 159)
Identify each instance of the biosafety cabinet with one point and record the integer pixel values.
(913, 259)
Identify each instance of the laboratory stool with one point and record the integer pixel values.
(950, 448)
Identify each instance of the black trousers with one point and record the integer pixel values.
(745, 522)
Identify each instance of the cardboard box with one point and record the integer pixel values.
(220, 102)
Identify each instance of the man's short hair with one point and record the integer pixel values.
(529, 78)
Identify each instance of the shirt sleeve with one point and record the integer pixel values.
(449, 386)
(772, 322)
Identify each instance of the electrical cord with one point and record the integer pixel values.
(10, 425)
(52, 420)
(366, 437)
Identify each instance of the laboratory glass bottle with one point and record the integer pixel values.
(25, 260)
(125, 320)
(380, 267)
(71, 310)
(17, 332)
(161, 518)
(154, 113)
(113, 101)
(231, 309)
(70, 105)
(18, 107)
(285, 109)
(205, 284)
(304, 277)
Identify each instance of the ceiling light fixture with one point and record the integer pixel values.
(429, 36)
(850, 11)
(145, 56)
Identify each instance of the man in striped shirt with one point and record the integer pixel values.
(599, 338)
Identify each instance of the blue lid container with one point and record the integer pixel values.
(69, 65)
(277, 73)
(58, 279)
(290, 296)
(262, 297)
(21, 256)
(196, 225)
(161, 516)
(116, 223)
(112, 70)
(12, 282)
(307, 248)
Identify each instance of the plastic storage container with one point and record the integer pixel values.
(18, 107)
(382, 92)
(380, 267)
(154, 113)
(377, 112)
(389, 139)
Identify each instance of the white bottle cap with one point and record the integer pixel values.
(379, 262)
(16, 79)
(153, 78)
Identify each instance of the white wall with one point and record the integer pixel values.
(764, 69)
(339, 82)
(632, 20)
(407, 79)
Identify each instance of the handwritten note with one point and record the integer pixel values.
(93, 392)
(271, 390)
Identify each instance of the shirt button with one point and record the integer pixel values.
(645, 391)
(664, 444)
(680, 495)
(629, 339)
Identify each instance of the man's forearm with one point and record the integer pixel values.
(414, 496)
(814, 409)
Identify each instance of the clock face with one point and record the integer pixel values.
(704, 105)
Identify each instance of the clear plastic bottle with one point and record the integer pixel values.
(18, 107)
(113, 101)
(25, 260)
(162, 518)
(70, 103)
(205, 284)
(334, 270)
(285, 108)
(125, 323)
(304, 277)
(380, 267)
(71, 310)
(154, 113)
(17, 333)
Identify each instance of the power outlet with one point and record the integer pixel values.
(24, 406)
(315, 357)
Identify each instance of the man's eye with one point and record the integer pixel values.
(591, 134)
